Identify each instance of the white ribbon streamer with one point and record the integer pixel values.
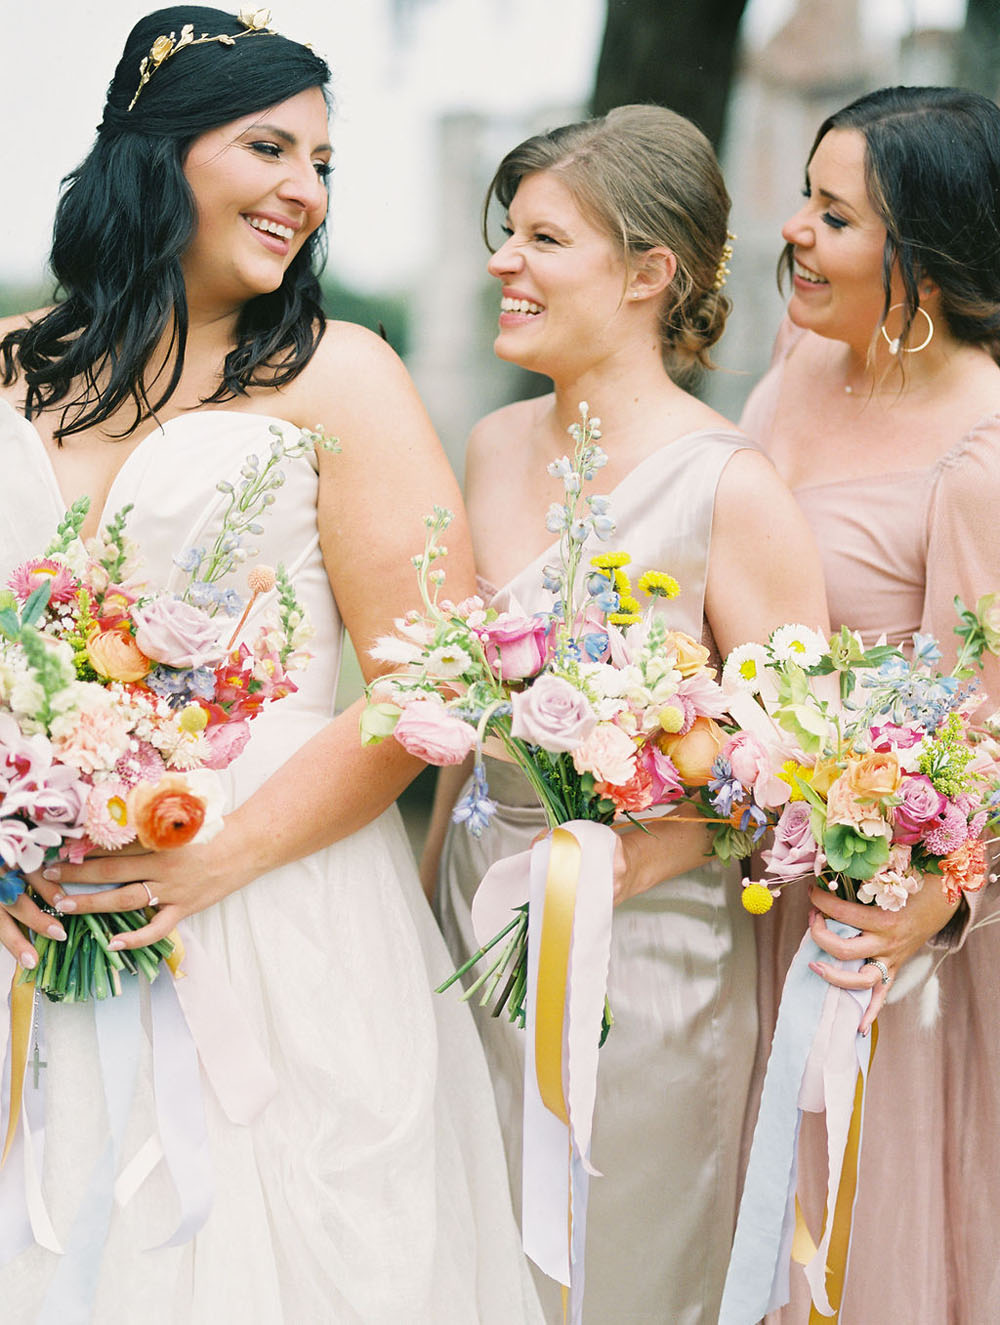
(556, 1162)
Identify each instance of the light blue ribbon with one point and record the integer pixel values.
(758, 1278)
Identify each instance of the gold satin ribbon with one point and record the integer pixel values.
(553, 968)
(561, 882)
(22, 997)
(177, 956)
(803, 1246)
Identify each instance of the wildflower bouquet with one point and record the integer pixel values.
(117, 700)
(892, 784)
(607, 711)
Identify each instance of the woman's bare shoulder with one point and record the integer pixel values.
(502, 431)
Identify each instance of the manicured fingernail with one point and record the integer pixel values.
(51, 872)
(56, 932)
(29, 958)
(116, 944)
(864, 1033)
(64, 904)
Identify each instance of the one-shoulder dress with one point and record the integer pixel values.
(674, 1073)
(896, 549)
(372, 1188)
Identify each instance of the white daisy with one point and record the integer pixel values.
(799, 644)
(448, 661)
(745, 668)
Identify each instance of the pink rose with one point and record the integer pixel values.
(608, 753)
(177, 634)
(795, 851)
(919, 808)
(427, 729)
(553, 714)
(751, 763)
(515, 645)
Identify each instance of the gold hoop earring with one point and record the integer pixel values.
(893, 341)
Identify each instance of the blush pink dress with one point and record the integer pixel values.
(896, 549)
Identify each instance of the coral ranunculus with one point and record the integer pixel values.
(694, 753)
(166, 815)
(115, 654)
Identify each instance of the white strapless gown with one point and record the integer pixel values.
(372, 1189)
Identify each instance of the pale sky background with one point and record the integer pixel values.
(497, 56)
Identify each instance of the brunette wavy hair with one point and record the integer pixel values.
(126, 216)
(932, 171)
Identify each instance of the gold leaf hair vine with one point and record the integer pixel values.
(255, 23)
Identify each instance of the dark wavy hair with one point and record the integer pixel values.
(648, 178)
(932, 171)
(126, 216)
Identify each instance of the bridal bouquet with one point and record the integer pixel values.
(117, 700)
(892, 784)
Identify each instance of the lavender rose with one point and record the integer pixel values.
(552, 714)
(917, 812)
(795, 852)
(176, 634)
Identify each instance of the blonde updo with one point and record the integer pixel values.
(649, 179)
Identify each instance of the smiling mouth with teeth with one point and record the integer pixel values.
(519, 306)
(271, 227)
(806, 275)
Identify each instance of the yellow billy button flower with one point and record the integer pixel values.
(671, 718)
(658, 584)
(193, 719)
(756, 898)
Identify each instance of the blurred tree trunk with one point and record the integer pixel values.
(676, 53)
(979, 48)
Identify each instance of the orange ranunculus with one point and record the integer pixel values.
(115, 654)
(168, 814)
(874, 775)
(691, 656)
(693, 753)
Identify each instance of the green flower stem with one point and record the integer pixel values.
(479, 954)
(512, 955)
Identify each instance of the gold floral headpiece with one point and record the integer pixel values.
(255, 23)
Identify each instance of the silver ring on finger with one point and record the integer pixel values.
(154, 901)
(880, 966)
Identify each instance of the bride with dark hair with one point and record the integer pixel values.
(371, 1188)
